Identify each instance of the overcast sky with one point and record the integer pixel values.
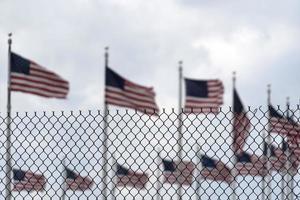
(259, 39)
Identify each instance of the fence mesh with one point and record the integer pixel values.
(64, 155)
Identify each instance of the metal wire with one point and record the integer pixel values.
(48, 143)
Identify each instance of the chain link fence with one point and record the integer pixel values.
(64, 155)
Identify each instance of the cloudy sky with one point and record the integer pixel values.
(259, 39)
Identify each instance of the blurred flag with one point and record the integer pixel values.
(280, 124)
(126, 177)
(27, 180)
(203, 96)
(283, 125)
(29, 77)
(241, 124)
(178, 172)
(277, 157)
(124, 93)
(215, 170)
(75, 181)
(293, 149)
(250, 165)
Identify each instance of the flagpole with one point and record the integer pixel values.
(266, 145)
(290, 178)
(105, 135)
(265, 160)
(283, 177)
(63, 197)
(158, 173)
(286, 175)
(114, 178)
(291, 163)
(198, 177)
(283, 172)
(180, 124)
(8, 167)
(268, 141)
(233, 170)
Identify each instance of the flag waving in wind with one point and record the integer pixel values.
(277, 157)
(75, 181)
(282, 125)
(203, 96)
(180, 172)
(294, 149)
(215, 170)
(29, 77)
(250, 165)
(124, 93)
(286, 126)
(27, 180)
(126, 177)
(241, 124)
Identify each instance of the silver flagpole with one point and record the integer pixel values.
(64, 189)
(105, 135)
(233, 170)
(283, 174)
(294, 172)
(265, 160)
(265, 143)
(180, 124)
(158, 174)
(199, 169)
(114, 197)
(289, 169)
(268, 141)
(8, 168)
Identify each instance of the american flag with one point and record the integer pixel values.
(126, 177)
(241, 124)
(294, 149)
(180, 172)
(277, 157)
(293, 144)
(75, 181)
(250, 165)
(28, 77)
(27, 180)
(215, 170)
(124, 93)
(203, 96)
(282, 125)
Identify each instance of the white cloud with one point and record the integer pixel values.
(248, 48)
(147, 39)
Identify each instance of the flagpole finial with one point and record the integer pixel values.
(234, 78)
(180, 64)
(106, 49)
(288, 100)
(9, 38)
(269, 93)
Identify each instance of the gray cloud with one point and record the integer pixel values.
(147, 39)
